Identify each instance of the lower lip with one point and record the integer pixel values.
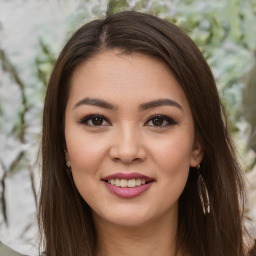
(128, 192)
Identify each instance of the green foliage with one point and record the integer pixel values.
(44, 62)
(116, 6)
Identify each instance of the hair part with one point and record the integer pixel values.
(64, 216)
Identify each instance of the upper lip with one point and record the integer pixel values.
(128, 176)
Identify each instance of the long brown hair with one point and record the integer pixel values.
(65, 218)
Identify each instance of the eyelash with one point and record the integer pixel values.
(166, 119)
(86, 119)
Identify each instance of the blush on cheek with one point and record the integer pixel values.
(175, 169)
(178, 180)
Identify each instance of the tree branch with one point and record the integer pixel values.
(7, 66)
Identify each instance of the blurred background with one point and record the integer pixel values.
(31, 35)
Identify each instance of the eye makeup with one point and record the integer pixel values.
(160, 120)
(94, 120)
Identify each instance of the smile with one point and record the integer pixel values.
(128, 185)
(132, 183)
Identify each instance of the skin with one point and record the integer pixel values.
(130, 141)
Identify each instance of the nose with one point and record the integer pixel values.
(127, 145)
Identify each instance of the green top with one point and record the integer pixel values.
(6, 251)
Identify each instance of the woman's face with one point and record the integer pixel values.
(127, 123)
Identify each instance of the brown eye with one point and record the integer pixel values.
(160, 121)
(96, 121)
(157, 121)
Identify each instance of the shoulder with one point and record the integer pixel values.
(7, 251)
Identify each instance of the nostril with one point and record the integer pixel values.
(126, 159)
(127, 151)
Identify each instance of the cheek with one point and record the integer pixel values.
(82, 149)
(175, 150)
(85, 153)
(87, 157)
(172, 157)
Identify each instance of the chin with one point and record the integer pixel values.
(126, 219)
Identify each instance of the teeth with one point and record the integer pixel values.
(131, 183)
(127, 183)
(117, 182)
(138, 182)
(123, 183)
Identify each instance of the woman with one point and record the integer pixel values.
(136, 157)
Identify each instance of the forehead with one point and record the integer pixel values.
(118, 77)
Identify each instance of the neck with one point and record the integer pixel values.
(154, 239)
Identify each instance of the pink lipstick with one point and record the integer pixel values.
(128, 185)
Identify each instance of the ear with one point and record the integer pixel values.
(196, 154)
(68, 163)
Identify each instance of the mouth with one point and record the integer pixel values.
(128, 185)
(129, 180)
(131, 183)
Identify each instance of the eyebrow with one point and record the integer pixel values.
(142, 107)
(95, 102)
(159, 103)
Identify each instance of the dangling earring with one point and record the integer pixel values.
(203, 192)
(68, 165)
(69, 170)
